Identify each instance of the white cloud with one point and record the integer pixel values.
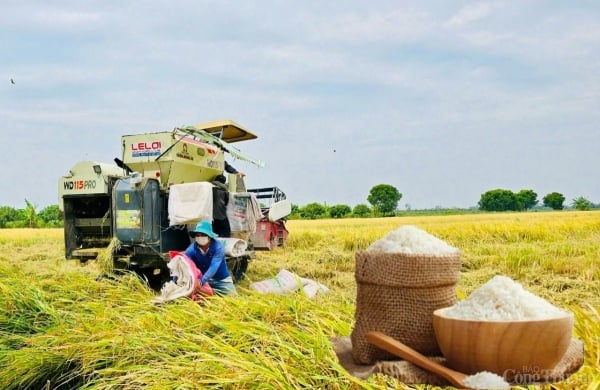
(420, 95)
(472, 13)
(43, 16)
(67, 19)
(356, 28)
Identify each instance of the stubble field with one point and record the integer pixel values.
(63, 327)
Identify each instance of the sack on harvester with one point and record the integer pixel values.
(401, 280)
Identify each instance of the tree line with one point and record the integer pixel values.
(29, 217)
(382, 202)
(384, 198)
(506, 200)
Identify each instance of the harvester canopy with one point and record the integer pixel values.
(227, 130)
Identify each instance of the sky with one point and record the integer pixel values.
(443, 100)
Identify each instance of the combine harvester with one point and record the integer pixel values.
(141, 208)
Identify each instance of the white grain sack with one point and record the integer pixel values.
(411, 240)
(501, 298)
(486, 380)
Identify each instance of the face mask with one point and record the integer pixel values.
(202, 240)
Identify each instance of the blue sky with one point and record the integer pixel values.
(443, 100)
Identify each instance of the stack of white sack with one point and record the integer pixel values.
(286, 282)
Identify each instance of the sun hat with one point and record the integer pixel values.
(204, 227)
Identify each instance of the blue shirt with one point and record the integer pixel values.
(212, 264)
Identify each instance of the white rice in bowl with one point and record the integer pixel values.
(501, 299)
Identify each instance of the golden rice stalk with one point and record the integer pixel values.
(105, 258)
(71, 329)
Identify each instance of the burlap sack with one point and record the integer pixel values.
(397, 294)
(408, 373)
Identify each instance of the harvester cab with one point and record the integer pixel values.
(141, 208)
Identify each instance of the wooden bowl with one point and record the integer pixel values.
(507, 348)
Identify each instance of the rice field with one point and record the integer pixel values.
(63, 327)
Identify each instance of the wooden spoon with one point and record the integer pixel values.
(394, 346)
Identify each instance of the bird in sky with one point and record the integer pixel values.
(12, 81)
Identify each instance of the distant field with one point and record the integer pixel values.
(62, 327)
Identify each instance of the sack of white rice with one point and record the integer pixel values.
(401, 280)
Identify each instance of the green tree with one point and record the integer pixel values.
(313, 211)
(339, 211)
(21, 220)
(295, 209)
(554, 200)
(582, 204)
(51, 216)
(498, 200)
(361, 210)
(295, 214)
(7, 215)
(30, 214)
(527, 199)
(384, 198)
